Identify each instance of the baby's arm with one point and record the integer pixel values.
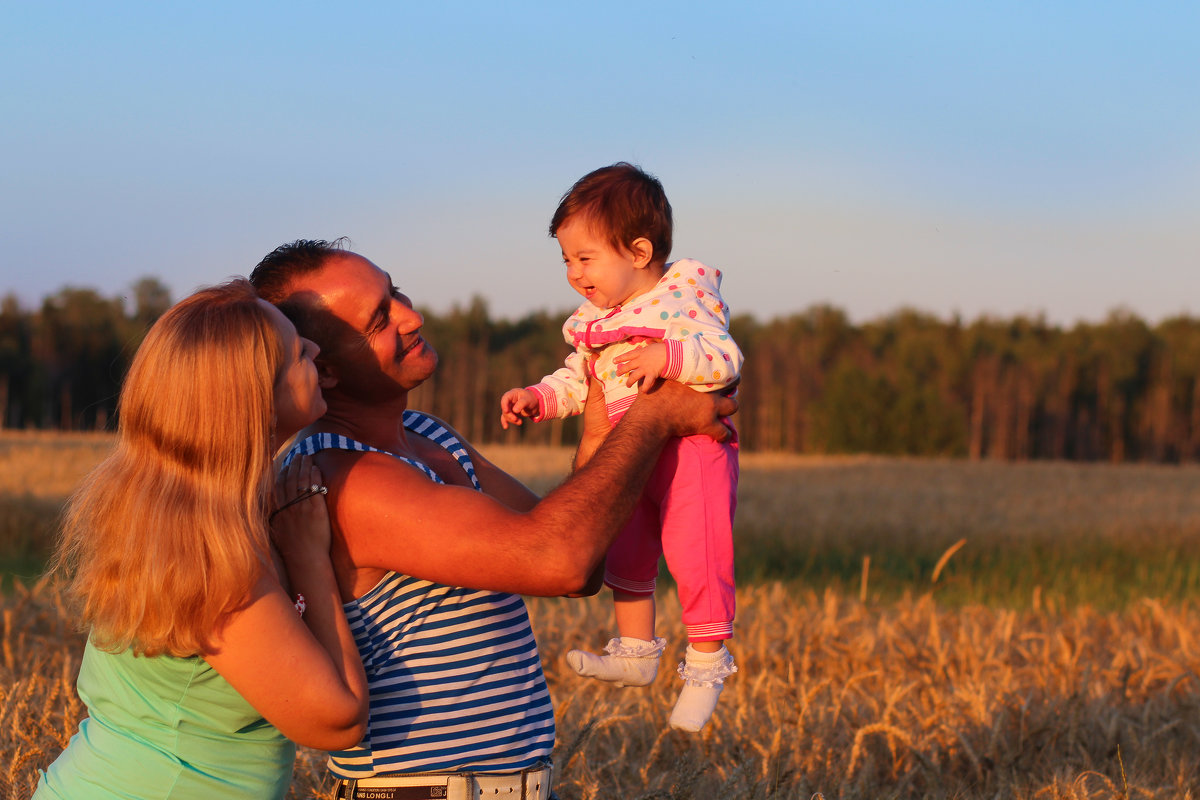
(557, 396)
(707, 360)
(702, 355)
(699, 350)
(515, 405)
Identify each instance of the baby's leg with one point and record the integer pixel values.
(704, 670)
(632, 658)
(697, 537)
(631, 571)
(635, 614)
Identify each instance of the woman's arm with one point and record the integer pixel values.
(303, 674)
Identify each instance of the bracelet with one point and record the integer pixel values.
(300, 604)
(315, 489)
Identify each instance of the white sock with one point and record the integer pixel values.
(703, 676)
(630, 662)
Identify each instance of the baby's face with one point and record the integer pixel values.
(605, 275)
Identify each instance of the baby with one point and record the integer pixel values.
(645, 319)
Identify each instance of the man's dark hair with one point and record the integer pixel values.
(273, 277)
(624, 203)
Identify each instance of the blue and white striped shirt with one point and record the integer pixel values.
(455, 678)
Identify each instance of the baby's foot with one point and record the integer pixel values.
(703, 676)
(630, 662)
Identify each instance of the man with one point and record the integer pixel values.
(458, 699)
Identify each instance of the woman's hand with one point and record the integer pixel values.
(299, 670)
(300, 522)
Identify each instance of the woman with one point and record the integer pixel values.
(198, 665)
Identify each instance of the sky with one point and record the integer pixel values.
(956, 158)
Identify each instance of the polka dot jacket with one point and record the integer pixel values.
(684, 309)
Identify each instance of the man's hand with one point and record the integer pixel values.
(686, 411)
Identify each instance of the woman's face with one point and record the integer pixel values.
(298, 400)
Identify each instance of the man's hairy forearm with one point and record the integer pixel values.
(584, 515)
(572, 528)
(588, 445)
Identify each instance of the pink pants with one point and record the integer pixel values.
(686, 514)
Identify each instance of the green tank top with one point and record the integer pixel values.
(166, 728)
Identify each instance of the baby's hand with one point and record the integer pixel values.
(515, 405)
(643, 364)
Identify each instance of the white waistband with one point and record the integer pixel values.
(531, 784)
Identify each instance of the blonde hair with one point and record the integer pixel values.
(169, 533)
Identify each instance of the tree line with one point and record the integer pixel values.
(908, 383)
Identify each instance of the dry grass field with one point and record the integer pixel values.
(1057, 655)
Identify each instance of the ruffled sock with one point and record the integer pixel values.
(703, 676)
(630, 662)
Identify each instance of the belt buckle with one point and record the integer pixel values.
(505, 784)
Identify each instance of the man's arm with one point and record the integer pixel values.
(391, 516)
(595, 430)
(595, 425)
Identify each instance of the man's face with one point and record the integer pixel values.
(379, 347)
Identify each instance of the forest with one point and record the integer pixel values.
(908, 383)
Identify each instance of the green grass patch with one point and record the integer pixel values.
(27, 527)
(1055, 568)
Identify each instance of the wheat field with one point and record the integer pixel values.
(860, 676)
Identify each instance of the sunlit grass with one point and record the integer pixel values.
(1059, 532)
(858, 701)
(1055, 656)
(1034, 532)
(44, 464)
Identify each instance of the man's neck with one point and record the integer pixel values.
(376, 424)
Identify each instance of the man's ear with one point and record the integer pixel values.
(326, 375)
(642, 251)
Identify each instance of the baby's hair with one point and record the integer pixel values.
(624, 203)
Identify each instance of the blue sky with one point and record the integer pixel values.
(953, 157)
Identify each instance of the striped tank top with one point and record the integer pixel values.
(454, 674)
